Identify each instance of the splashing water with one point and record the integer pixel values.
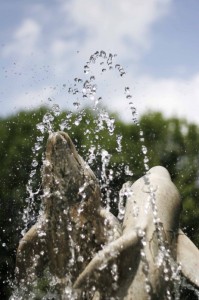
(87, 89)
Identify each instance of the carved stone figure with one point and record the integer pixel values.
(72, 226)
(150, 244)
(75, 236)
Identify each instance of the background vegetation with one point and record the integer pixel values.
(172, 143)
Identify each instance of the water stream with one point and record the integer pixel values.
(83, 91)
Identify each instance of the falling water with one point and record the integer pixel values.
(87, 90)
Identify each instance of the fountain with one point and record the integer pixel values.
(85, 248)
(79, 250)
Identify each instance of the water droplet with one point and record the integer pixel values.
(80, 258)
(69, 227)
(147, 288)
(82, 236)
(140, 233)
(144, 149)
(41, 127)
(127, 90)
(86, 69)
(76, 104)
(34, 163)
(56, 109)
(119, 145)
(37, 146)
(109, 60)
(127, 171)
(102, 54)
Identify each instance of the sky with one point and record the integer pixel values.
(44, 46)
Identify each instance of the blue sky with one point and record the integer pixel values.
(45, 44)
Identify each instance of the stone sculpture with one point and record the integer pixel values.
(73, 225)
(148, 269)
(75, 236)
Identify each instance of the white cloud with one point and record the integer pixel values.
(117, 24)
(121, 27)
(28, 29)
(24, 40)
(173, 97)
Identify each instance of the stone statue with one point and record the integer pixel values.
(150, 244)
(72, 226)
(87, 248)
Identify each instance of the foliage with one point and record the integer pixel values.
(172, 143)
